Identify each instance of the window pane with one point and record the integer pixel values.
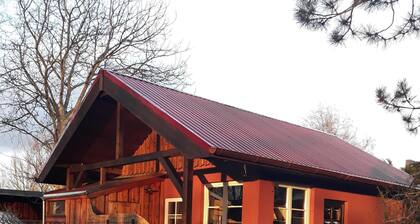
(235, 195)
(179, 207)
(333, 212)
(298, 198)
(234, 215)
(280, 197)
(171, 221)
(215, 216)
(298, 217)
(215, 196)
(56, 208)
(171, 207)
(327, 215)
(280, 216)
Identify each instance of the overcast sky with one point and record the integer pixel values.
(251, 54)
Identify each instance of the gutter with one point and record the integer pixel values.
(43, 211)
(64, 194)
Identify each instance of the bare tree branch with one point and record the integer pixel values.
(54, 49)
(328, 120)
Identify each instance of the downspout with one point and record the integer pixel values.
(43, 210)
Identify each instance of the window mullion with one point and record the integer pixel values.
(175, 215)
(289, 205)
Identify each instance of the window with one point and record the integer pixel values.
(56, 208)
(223, 203)
(290, 205)
(173, 211)
(333, 212)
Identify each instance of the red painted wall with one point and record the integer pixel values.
(169, 191)
(359, 209)
(258, 201)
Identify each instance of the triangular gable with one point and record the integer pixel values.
(107, 88)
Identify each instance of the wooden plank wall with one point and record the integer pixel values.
(144, 201)
(148, 146)
(23, 210)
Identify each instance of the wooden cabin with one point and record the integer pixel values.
(20, 206)
(136, 152)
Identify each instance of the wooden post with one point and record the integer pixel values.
(119, 136)
(102, 175)
(225, 202)
(187, 190)
(69, 179)
(157, 167)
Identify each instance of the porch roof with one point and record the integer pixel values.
(229, 132)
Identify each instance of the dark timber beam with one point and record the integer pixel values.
(69, 178)
(127, 160)
(102, 176)
(157, 167)
(172, 173)
(79, 178)
(119, 134)
(187, 190)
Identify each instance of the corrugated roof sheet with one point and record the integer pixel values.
(229, 128)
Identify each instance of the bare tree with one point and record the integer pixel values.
(327, 119)
(25, 166)
(355, 19)
(51, 50)
(402, 205)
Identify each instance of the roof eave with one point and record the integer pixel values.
(230, 155)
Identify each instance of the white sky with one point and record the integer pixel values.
(254, 56)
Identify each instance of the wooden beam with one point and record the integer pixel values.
(225, 200)
(114, 170)
(79, 178)
(203, 179)
(69, 178)
(119, 133)
(127, 160)
(157, 164)
(187, 190)
(172, 173)
(102, 176)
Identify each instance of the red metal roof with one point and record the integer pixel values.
(231, 129)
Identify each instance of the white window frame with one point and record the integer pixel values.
(206, 197)
(167, 201)
(289, 209)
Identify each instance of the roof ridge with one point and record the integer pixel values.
(224, 104)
